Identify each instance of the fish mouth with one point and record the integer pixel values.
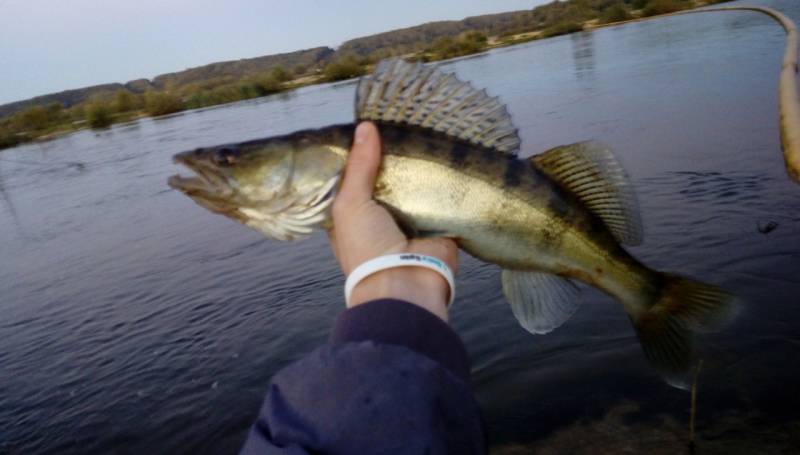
(199, 184)
(187, 184)
(206, 179)
(206, 187)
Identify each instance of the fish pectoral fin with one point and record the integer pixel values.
(590, 171)
(540, 301)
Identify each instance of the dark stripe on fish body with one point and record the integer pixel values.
(514, 170)
(344, 134)
(557, 204)
(396, 140)
(458, 154)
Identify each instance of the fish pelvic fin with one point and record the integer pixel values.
(665, 329)
(590, 172)
(540, 301)
(412, 94)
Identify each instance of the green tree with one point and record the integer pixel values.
(615, 13)
(162, 103)
(54, 111)
(249, 90)
(343, 68)
(299, 70)
(475, 36)
(268, 83)
(9, 138)
(32, 118)
(562, 28)
(98, 113)
(464, 44)
(76, 113)
(279, 74)
(655, 7)
(124, 101)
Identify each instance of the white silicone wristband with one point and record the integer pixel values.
(398, 260)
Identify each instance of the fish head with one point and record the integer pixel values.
(282, 187)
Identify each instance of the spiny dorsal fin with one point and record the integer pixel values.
(411, 94)
(590, 171)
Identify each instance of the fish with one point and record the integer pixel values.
(450, 167)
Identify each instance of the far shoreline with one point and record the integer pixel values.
(492, 42)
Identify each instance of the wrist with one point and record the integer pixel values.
(416, 285)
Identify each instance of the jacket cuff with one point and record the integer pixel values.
(396, 322)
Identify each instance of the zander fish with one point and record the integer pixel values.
(450, 169)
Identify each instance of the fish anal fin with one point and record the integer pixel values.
(590, 171)
(540, 301)
(403, 93)
(667, 344)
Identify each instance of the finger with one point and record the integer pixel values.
(362, 165)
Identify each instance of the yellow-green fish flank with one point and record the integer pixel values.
(450, 169)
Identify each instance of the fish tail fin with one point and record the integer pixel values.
(665, 327)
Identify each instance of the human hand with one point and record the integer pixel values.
(363, 230)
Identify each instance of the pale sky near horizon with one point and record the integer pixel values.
(48, 45)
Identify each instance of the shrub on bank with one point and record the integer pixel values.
(32, 118)
(615, 13)
(9, 137)
(562, 28)
(343, 68)
(125, 101)
(98, 114)
(655, 7)
(464, 44)
(162, 103)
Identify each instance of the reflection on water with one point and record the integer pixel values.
(132, 320)
(7, 199)
(583, 54)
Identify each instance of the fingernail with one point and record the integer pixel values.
(362, 133)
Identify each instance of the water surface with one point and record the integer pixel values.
(133, 321)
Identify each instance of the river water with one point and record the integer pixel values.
(133, 321)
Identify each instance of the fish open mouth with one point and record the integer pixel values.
(189, 184)
(186, 184)
(204, 193)
(206, 187)
(204, 180)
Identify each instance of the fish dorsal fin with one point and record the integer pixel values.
(406, 93)
(540, 301)
(590, 171)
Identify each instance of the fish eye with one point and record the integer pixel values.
(226, 156)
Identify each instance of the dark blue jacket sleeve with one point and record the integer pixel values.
(391, 380)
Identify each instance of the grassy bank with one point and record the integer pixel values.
(558, 18)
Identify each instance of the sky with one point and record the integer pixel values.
(51, 45)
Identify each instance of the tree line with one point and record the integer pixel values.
(227, 82)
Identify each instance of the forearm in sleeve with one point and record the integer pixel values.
(393, 379)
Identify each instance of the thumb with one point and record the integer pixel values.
(362, 164)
